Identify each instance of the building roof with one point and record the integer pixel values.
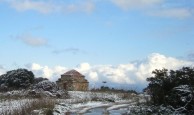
(73, 73)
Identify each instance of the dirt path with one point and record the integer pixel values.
(106, 108)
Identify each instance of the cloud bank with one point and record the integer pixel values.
(157, 8)
(134, 73)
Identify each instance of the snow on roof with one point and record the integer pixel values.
(73, 73)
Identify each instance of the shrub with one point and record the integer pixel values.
(16, 79)
(173, 88)
(47, 88)
(39, 79)
(46, 85)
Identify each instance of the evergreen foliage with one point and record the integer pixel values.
(173, 88)
(16, 79)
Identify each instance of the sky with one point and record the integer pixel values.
(117, 41)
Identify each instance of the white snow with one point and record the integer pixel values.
(117, 106)
(183, 88)
(94, 105)
(84, 102)
(79, 102)
(62, 108)
(90, 95)
(11, 105)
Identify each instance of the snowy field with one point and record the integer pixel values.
(85, 106)
(86, 103)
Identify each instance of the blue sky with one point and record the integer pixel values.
(93, 36)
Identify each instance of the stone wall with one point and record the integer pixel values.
(73, 85)
(83, 86)
(73, 82)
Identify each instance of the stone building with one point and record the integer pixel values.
(73, 81)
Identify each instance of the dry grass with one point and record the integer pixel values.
(26, 107)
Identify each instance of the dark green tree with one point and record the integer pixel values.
(155, 86)
(15, 79)
(174, 88)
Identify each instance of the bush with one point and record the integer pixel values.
(47, 88)
(39, 79)
(151, 110)
(173, 88)
(16, 79)
(46, 85)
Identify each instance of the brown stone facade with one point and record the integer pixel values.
(73, 81)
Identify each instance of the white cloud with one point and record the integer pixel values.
(151, 7)
(93, 76)
(134, 73)
(40, 6)
(84, 67)
(112, 74)
(158, 8)
(158, 61)
(136, 4)
(46, 72)
(51, 6)
(179, 13)
(59, 69)
(35, 66)
(2, 70)
(32, 40)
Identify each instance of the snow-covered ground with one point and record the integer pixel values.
(78, 103)
(8, 106)
(107, 101)
(92, 95)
